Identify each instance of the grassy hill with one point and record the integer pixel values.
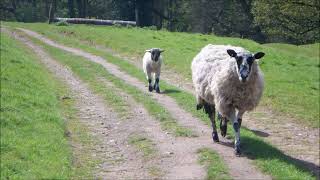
(291, 72)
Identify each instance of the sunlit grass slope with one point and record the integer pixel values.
(33, 142)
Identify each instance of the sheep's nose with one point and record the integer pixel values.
(244, 76)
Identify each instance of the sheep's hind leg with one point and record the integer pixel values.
(210, 110)
(156, 85)
(200, 102)
(223, 124)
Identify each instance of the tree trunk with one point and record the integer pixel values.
(95, 21)
(81, 8)
(47, 8)
(52, 11)
(137, 9)
(143, 13)
(71, 8)
(84, 8)
(34, 9)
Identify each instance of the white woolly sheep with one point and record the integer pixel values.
(152, 61)
(227, 79)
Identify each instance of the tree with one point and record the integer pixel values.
(52, 9)
(294, 21)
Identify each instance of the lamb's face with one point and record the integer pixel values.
(244, 63)
(155, 53)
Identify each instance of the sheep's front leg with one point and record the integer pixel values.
(236, 128)
(156, 83)
(210, 110)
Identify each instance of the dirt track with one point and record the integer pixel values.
(239, 168)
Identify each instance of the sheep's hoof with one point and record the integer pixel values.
(157, 89)
(223, 129)
(199, 106)
(237, 151)
(215, 137)
(150, 88)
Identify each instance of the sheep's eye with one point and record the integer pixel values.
(239, 59)
(250, 60)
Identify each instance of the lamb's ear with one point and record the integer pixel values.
(231, 53)
(161, 50)
(258, 55)
(148, 50)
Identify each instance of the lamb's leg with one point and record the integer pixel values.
(149, 81)
(156, 83)
(223, 124)
(210, 110)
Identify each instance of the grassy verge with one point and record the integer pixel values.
(216, 169)
(37, 120)
(289, 89)
(263, 153)
(33, 141)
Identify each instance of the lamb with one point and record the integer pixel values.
(228, 80)
(152, 61)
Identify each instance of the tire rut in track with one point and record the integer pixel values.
(239, 168)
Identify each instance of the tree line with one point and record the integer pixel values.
(291, 21)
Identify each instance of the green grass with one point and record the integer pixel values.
(143, 144)
(292, 79)
(33, 141)
(267, 157)
(216, 169)
(91, 72)
(302, 51)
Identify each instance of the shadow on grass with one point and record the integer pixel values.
(253, 148)
(257, 149)
(169, 91)
(259, 133)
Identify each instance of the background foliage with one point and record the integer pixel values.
(291, 21)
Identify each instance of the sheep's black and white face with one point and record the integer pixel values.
(155, 53)
(244, 63)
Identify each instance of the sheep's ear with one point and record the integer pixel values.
(148, 50)
(231, 53)
(258, 55)
(161, 50)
